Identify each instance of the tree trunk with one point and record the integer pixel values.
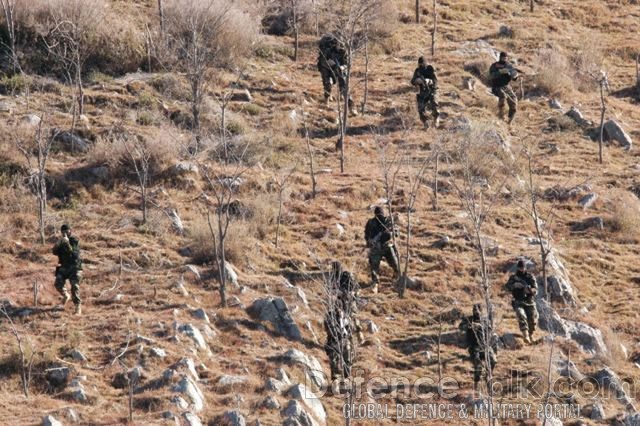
(345, 111)
(311, 169)
(80, 88)
(143, 190)
(222, 262)
(417, 11)
(602, 111)
(366, 70)
(531, 6)
(434, 30)
(279, 215)
(223, 130)
(161, 17)
(435, 183)
(638, 75)
(42, 206)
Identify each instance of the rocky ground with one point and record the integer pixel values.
(153, 336)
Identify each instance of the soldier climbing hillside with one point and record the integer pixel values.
(378, 235)
(424, 78)
(501, 73)
(69, 268)
(524, 288)
(332, 60)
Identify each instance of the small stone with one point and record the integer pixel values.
(372, 327)
(191, 391)
(588, 200)
(73, 415)
(31, 120)
(242, 96)
(179, 402)
(271, 403)
(76, 355)
(50, 421)
(555, 104)
(226, 380)
(441, 243)
(575, 114)
(200, 314)
(194, 334)
(191, 419)
(176, 222)
(158, 352)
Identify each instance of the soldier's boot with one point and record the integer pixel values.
(436, 122)
(352, 108)
(526, 337)
(501, 109)
(78, 309)
(65, 299)
(374, 287)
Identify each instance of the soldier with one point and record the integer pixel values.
(475, 336)
(501, 74)
(424, 77)
(347, 287)
(332, 60)
(377, 234)
(338, 322)
(69, 268)
(523, 288)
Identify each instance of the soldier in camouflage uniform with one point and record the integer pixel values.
(476, 335)
(523, 288)
(347, 287)
(69, 267)
(501, 73)
(424, 77)
(332, 62)
(377, 234)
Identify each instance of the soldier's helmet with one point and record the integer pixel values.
(477, 310)
(521, 264)
(378, 211)
(65, 227)
(503, 56)
(421, 60)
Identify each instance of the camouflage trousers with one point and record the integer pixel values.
(479, 361)
(74, 276)
(427, 100)
(506, 93)
(329, 77)
(376, 254)
(339, 354)
(527, 316)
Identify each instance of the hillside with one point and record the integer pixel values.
(136, 314)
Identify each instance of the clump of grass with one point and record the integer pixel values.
(553, 75)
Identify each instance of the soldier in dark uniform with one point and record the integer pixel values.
(523, 288)
(347, 287)
(377, 234)
(332, 62)
(475, 329)
(69, 267)
(501, 73)
(424, 77)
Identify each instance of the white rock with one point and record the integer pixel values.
(179, 402)
(310, 400)
(615, 132)
(191, 391)
(158, 352)
(555, 104)
(193, 270)
(50, 421)
(295, 415)
(228, 380)
(191, 419)
(31, 120)
(188, 365)
(233, 418)
(176, 222)
(588, 200)
(77, 355)
(271, 403)
(230, 274)
(194, 334)
(310, 364)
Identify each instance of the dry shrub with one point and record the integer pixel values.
(587, 61)
(553, 75)
(625, 218)
(171, 86)
(238, 242)
(479, 68)
(612, 341)
(265, 209)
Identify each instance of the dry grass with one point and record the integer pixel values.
(553, 76)
(625, 218)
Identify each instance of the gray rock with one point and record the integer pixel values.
(282, 376)
(371, 326)
(597, 411)
(242, 96)
(340, 229)
(632, 420)
(441, 243)
(70, 142)
(555, 104)
(78, 393)
(73, 415)
(588, 200)
(179, 401)
(613, 131)
(566, 368)
(191, 391)
(193, 271)
(230, 274)
(168, 415)
(176, 222)
(185, 167)
(310, 400)
(295, 415)
(50, 421)
(309, 363)
(31, 120)
(302, 297)
(274, 385)
(76, 355)
(208, 331)
(276, 311)
(201, 314)
(505, 31)
(158, 352)
(194, 334)
(180, 288)
(575, 114)
(559, 285)
(185, 365)
(588, 338)
(609, 381)
(270, 403)
(58, 376)
(226, 380)
(235, 302)
(509, 341)
(6, 107)
(191, 419)
(592, 222)
(233, 418)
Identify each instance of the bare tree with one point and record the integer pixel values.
(365, 94)
(39, 147)
(193, 29)
(434, 29)
(222, 184)
(298, 10)
(161, 17)
(281, 185)
(26, 359)
(72, 26)
(9, 10)
(139, 156)
(312, 174)
(638, 75)
(531, 4)
(603, 83)
(417, 11)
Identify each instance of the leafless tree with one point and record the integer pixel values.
(638, 75)
(26, 359)
(299, 9)
(312, 173)
(72, 26)
(222, 184)
(9, 10)
(193, 30)
(161, 17)
(531, 4)
(365, 94)
(434, 29)
(139, 156)
(36, 292)
(36, 150)
(281, 185)
(603, 83)
(417, 11)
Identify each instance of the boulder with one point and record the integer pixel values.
(76, 355)
(441, 243)
(31, 120)
(70, 142)
(597, 411)
(232, 418)
(6, 107)
(191, 419)
(276, 311)
(194, 334)
(510, 342)
(270, 403)
(295, 415)
(566, 368)
(179, 402)
(309, 363)
(58, 376)
(590, 339)
(609, 381)
(226, 381)
(185, 365)
(50, 421)
(588, 200)
(176, 222)
(230, 274)
(201, 314)
(558, 283)
(575, 114)
(555, 104)
(592, 222)
(192, 271)
(613, 131)
(184, 168)
(242, 96)
(191, 391)
(632, 420)
(275, 385)
(310, 400)
(78, 393)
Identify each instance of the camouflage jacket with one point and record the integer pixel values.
(331, 54)
(378, 230)
(501, 74)
(519, 292)
(475, 335)
(68, 253)
(426, 73)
